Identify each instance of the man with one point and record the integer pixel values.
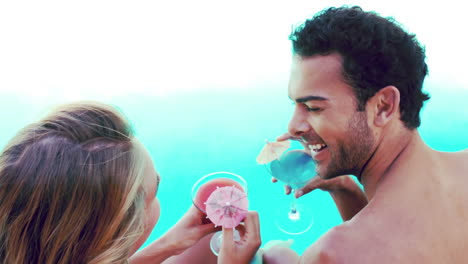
(356, 82)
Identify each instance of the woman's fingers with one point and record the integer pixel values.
(241, 229)
(206, 229)
(243, 250)
(252, 226)
(228, 233)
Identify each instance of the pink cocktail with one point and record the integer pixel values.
(205, 190)
(205, 186)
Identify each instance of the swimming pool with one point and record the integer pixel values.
(195, 110)
(193, 134)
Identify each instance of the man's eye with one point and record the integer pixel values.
(312, 109)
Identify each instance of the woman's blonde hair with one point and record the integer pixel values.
(71, 188)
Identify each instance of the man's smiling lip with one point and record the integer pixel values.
(312, 144)
(319, 154)
(316, 147)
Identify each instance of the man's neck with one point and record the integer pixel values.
(389, 152)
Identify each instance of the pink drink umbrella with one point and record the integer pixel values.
(227, 206)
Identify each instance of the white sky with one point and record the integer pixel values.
(66, 50)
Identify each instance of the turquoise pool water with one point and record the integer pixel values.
(204, 83)
(196, 133)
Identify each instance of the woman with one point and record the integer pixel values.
(78, 187)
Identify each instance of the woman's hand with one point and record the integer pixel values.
(188, 230)
(242, 251)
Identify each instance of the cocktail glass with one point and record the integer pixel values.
(294, 167)
(202, 190)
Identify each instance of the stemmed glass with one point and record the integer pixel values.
(203, 188)
(294, 167)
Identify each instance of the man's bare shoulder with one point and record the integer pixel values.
(336, 246)
(464, 152)
(458, 158)
(463, 162)
(362, 240)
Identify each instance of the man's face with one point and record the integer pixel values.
(325, 116)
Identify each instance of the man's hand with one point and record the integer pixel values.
(348, 196)
(316, 182)
(331, 185)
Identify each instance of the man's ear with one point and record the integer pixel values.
(386, 105)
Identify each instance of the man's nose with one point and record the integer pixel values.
(298, 124)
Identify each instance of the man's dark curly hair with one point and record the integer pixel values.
(376, 53)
